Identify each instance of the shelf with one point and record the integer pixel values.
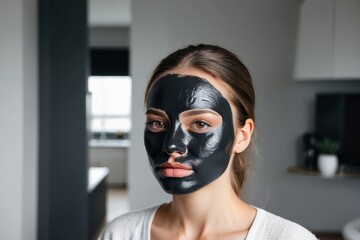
(303, 171)
(110, 143)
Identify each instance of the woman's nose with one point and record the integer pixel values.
(175, 142)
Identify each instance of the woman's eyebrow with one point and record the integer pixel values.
(156, 112)
(197, 112)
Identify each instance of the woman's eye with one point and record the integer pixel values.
(199, 125)
(156, 126)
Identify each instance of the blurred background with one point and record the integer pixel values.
(72, 80)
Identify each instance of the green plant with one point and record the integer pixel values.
(327, 146)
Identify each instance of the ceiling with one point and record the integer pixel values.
(109, 13)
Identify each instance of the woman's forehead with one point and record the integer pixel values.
(175, 94)
(215, 81)
(184, 92)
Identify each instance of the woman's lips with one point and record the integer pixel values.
(175, 170)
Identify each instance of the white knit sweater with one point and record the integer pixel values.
(136, 225)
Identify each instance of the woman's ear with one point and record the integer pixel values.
(243, 136)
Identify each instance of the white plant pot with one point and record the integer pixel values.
(328, 164)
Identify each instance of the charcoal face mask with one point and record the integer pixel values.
(207, 153)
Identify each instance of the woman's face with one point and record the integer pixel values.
(189, 131)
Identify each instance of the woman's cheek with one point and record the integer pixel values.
(153, 143)
(197, 145)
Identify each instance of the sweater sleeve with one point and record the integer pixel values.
(272, 227)
(294, 231)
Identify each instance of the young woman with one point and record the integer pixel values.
(199, 122)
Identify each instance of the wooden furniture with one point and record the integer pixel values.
(303, 171)
(328, 236)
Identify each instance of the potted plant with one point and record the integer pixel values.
(327, 159)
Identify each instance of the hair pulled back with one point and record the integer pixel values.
(225, 65)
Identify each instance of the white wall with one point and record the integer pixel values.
(109, 37)
(148, 43)
(115, 13)
(18, 119)
(263, 34)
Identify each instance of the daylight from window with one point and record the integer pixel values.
(110, 106)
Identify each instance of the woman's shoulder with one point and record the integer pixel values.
(270, 226)
(130, 225)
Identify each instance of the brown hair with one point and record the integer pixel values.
(225, 65)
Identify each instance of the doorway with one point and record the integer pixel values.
(110, 85)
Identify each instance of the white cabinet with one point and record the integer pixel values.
(328, 41)
(314, 42)
(347, 39)
(114, 158)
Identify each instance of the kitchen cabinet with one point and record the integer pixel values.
(347, 39)
(328, 41)
(114, 158)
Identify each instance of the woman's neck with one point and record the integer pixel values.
(211, 209)
(204, 205)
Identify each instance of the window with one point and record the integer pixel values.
(110, 106)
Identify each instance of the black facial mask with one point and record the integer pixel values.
(208, 153)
